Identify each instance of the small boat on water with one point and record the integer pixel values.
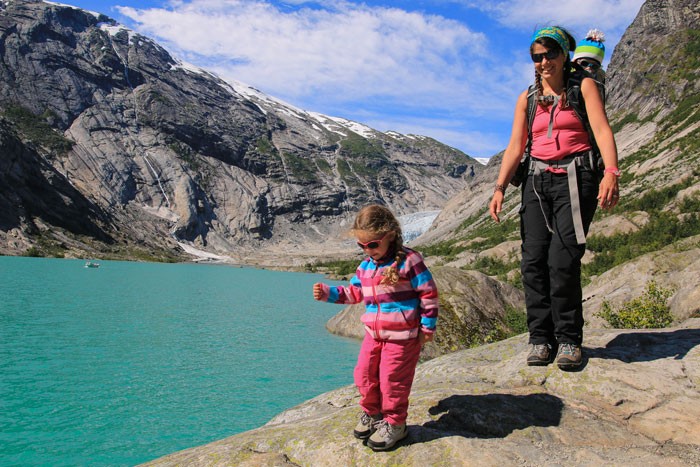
(92, 264)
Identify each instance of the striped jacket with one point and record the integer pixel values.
(393, 312)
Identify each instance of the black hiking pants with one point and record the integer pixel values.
(551, 261)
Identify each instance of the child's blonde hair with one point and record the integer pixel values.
(379, 220)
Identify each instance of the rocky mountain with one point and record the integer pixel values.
(113, 146)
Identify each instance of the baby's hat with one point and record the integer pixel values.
(592, 46)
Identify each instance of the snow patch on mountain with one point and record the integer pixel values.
(414, 225)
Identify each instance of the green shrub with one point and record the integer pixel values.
(493, 266)
(355, 146)
(301, 168)
(690, 205)
(649, 311)
(663, 229)
(341, 267)
(448, 249)
(324, 166)
(629, 118)
(36, 129)
(495, 233)
(516, 321)
(265, 146)
(656, 199)
(34, 252)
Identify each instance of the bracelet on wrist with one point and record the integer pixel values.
(612, 170)
(499, 187)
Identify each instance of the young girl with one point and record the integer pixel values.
(401, 303)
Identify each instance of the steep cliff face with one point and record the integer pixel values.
(655, 64)
(32, 190)
(169, 152)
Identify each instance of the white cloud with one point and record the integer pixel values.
(351, 51)
(614, 15)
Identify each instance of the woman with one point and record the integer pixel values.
(559, 197)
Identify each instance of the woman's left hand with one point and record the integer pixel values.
(608, 191)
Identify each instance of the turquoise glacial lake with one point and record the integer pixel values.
(128, 362)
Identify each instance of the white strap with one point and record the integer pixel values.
(538, 166)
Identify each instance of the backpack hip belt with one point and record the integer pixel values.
(569, 163)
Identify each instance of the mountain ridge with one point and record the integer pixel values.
(171, 153)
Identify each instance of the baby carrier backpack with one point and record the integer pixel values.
(574, 98)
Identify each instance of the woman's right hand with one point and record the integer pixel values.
(511, 156)
(496, 205)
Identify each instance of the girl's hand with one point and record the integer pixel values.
(318, 291)
(425, 337)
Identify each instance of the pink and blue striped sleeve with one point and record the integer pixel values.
(350, 294)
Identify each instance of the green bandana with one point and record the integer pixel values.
(555, 33)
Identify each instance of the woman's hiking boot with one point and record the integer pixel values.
(386, 436)
(569, 356)
(366, 426)
(540, 355)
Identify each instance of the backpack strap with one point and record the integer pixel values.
(574, 98)
(521, 172)
(532, 94)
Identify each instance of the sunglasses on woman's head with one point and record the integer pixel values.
(549, 55)
(588, 64)
(372, 244)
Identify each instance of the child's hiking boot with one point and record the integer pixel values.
(386, 436)
(540, 355)
(366, 426)
(569, 356)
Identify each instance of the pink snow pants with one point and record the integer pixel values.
(384, 375)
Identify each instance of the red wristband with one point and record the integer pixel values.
(612, 170)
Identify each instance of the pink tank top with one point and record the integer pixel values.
(568, 134)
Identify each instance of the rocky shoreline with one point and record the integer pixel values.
(635, 401)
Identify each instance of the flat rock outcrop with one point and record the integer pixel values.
(634, 401)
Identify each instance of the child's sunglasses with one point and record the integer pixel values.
(592, 65)
(373, 244)
(550, 55)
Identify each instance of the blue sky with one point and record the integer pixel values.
(448, 69)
